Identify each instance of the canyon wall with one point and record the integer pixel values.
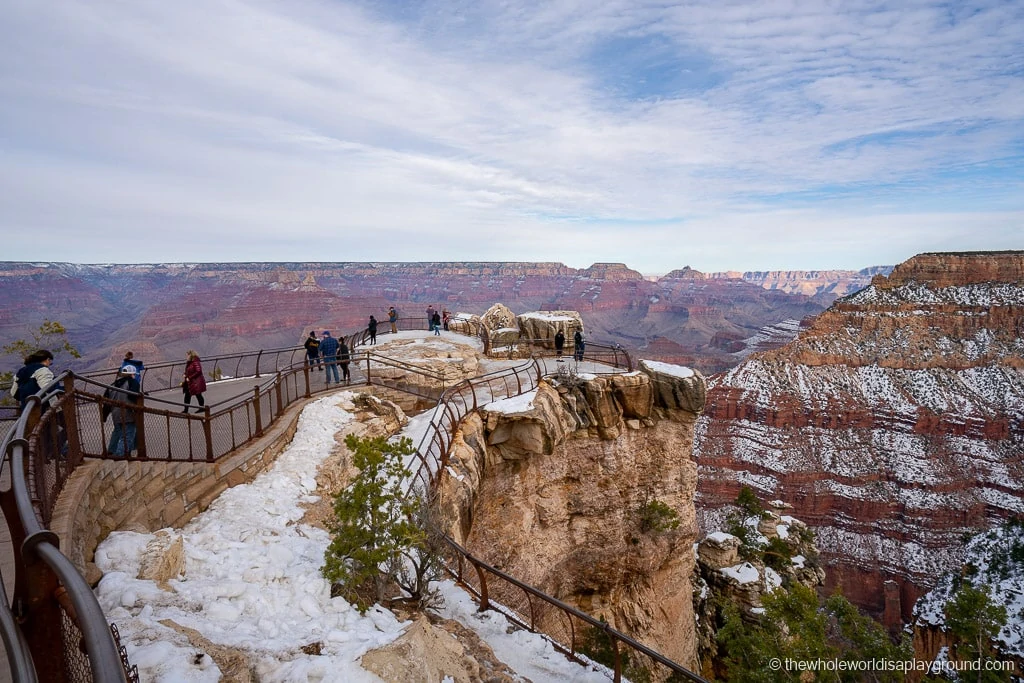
(161, 310)
(894, 424)
(552, 486)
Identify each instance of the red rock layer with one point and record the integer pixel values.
(894, 424)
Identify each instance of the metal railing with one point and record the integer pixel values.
(54, 606)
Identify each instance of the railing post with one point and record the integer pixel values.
(277, 389)
(208, 434)
(140, 427)
(617, 678)
(257, 409)
(71, 422)
(258, 357)
(368, 368)
(305, 373)
(485, 604)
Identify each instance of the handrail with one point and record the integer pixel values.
(26, 448)
(479, 564)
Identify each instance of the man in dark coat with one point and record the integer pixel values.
(312, 347)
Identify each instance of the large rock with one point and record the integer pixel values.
(676, 387)
(427, 654)
(544, 325)
(502, 329)
(555, 487)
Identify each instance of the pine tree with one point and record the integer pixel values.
(373, 529)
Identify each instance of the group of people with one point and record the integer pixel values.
(578, 344)
(435, 319)
(327, 353)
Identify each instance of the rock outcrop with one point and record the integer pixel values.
(894, 424)
(550, 487)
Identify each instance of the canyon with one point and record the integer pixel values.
(894, 424)
(161, 310)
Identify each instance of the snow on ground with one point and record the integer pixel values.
(252, 581)
(514, 404)
(669, 369)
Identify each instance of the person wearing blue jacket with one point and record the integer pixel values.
(329, 352)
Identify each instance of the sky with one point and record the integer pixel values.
(252, 581)
(724, 135)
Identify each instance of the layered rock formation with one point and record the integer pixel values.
(163, 310)
(823, 284)
(894, 423)
(550, 487)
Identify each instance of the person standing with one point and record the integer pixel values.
(430, 317)
(125, 391)
(372, 329)
(329, 351)
(312, 347)
(436, 323)
(343, 358)
(194, 383)
(445, 317)
(393, 319)
(559, 343)
(578, 344)
(32, 377)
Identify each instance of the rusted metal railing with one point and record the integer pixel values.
(55, 605)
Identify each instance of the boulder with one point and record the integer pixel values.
(544, 325)
(634, 394)
(426, 653)
(501, 326)
(719, 550)
(676, 387)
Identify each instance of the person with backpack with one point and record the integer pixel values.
(393, 319)
(578, 345)
(32, 377)
(125, 390)
(312, 347)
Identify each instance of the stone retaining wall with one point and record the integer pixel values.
(109, 495)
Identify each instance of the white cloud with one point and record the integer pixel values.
(449, 130)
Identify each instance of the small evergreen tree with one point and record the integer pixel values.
(373, 528)
(974, 620)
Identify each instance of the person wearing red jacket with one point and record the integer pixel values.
(194, 383)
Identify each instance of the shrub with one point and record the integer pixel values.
(377, 538)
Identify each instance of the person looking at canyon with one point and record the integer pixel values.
(343, 361)
(125, 391)
(371, 327)
(329, 351)
(194, 383)
(430, 317)
(32, 377)
(578, 345)
(393, 319)
(312, 347)
(445, 317)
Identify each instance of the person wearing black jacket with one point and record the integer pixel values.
(125, 392)
(372, 329)
(312, 347)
